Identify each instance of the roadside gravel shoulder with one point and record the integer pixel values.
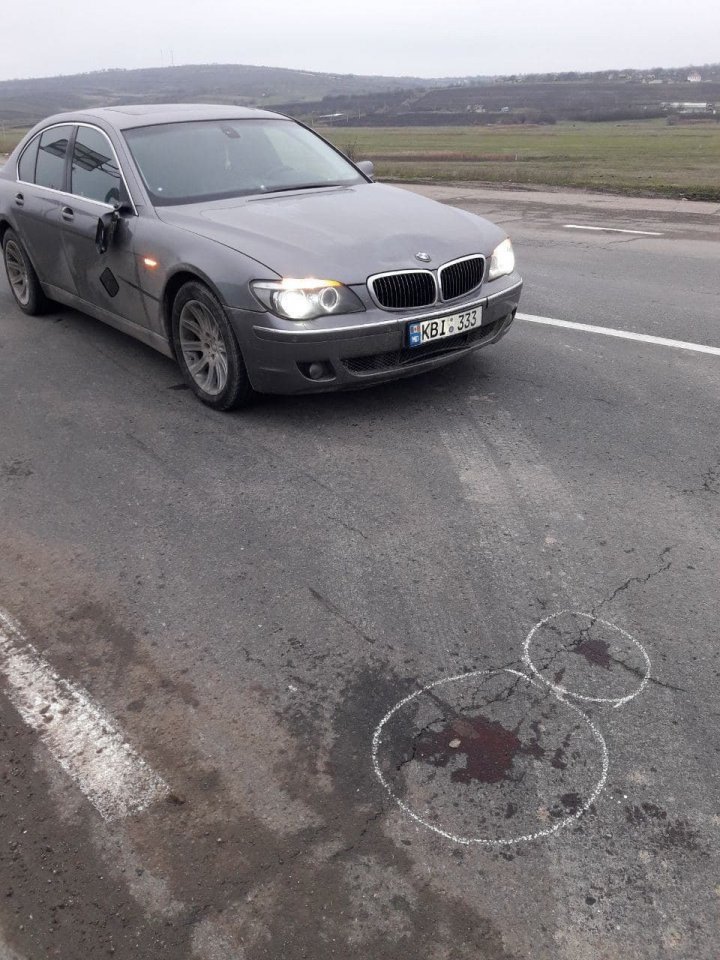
(572, 199)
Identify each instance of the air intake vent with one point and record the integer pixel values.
(460, 277)
(403, 291)
(379, 362)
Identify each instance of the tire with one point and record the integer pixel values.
(207, 350)
(23, 280)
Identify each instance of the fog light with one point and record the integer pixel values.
(316, 371)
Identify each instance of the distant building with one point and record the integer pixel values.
(694, 77)
(332, 118)
(679, 107)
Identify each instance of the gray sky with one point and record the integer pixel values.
(419, 37)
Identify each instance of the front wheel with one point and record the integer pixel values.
(21, 275)
(207, 349)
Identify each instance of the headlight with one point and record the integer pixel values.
(502, 261)
(306, 299)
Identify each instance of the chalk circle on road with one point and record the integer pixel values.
(491, 757)
(581, 656)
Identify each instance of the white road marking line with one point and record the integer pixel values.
(622, 334)
(637, 233)
(79, 734)
(483, 841)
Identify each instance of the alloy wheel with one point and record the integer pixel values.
(203, 348)
(17, 272)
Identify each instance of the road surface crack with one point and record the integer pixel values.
(418, 736)
(709, 482)
(663, 568)
(373, 818)
(338, 613)
(349, 527)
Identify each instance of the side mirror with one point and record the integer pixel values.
(367, 167)
(107, 225)
(105, 231)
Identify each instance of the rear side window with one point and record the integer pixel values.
(50, 167)
(94, 171)
(26, 167)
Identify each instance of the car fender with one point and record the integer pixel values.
(168, 255)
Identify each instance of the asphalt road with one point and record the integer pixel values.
(258, 605)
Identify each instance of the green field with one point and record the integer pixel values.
(9, 137)
(648, 158)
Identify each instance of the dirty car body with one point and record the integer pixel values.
(328, 280)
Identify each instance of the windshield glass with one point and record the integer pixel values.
(216, 159)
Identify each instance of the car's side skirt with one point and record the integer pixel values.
(146, 336)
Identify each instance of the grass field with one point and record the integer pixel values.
(647, 158)
(9, 137)
(643, 158)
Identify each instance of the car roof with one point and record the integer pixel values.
(124, 117)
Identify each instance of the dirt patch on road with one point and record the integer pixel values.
(271, 843)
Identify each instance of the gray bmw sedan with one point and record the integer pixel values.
(247, 248)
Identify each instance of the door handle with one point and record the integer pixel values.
(67, 214)
(19, 199)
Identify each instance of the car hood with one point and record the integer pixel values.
(339, 233)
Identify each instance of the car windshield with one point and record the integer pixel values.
(216, 159)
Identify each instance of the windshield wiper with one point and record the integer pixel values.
(301, 186)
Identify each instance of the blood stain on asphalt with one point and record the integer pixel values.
(488, 746)
(595, 651)
(571, 801)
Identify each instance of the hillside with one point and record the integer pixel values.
(378, 100)
(23, 102)
(517, 101)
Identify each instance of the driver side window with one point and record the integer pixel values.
(94, 172)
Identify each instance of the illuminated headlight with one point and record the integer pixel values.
(502, 261)
(306, 299)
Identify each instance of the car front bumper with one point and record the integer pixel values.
(360, 349)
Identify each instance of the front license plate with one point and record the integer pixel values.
(423, 331)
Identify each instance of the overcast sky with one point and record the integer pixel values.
(429, 38)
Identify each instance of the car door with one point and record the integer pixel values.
(39, 201)
(96, 185)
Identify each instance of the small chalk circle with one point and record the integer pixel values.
(563, 692)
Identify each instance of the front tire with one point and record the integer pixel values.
(21, 275)
(207, 350)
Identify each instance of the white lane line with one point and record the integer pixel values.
(79, 734)
(637, 233)
(622, 334)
